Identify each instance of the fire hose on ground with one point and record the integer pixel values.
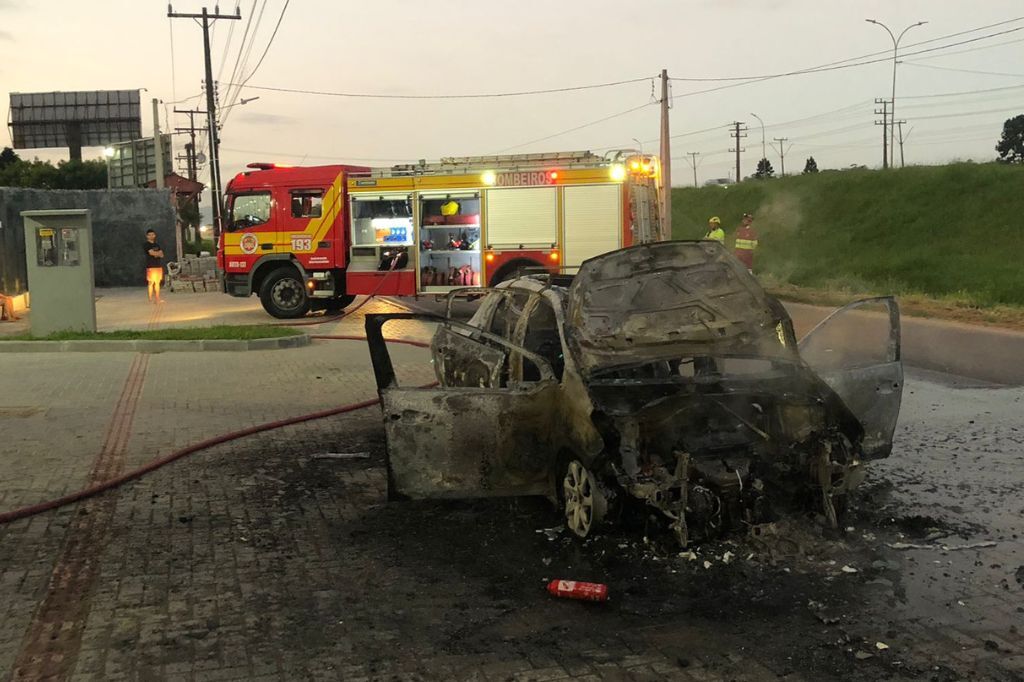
(92, 491)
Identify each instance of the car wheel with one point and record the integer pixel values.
(585, 504)
(283, 294)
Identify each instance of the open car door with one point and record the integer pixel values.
(467, 441)
(856, 350)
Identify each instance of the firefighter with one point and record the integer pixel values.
(746, 241)
(715, 231)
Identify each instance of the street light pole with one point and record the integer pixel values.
(895, 55)
(764, 152)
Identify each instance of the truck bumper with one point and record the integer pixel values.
(237, 284)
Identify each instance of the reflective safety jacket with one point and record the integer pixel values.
(717, 234)
(746, 243)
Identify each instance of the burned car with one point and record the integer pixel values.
(659, 377)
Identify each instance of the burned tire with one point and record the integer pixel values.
(283, 294)
(583, 501)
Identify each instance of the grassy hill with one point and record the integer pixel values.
(953, 232)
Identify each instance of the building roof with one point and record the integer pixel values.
(179, 184)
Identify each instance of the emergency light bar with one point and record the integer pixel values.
(259, 165)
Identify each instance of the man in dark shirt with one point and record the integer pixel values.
(154, 266)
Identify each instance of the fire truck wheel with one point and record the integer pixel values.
(283, 294)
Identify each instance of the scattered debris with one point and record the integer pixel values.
(881, 646)
(727, 557)
(707, 565)
(863, 655)
(821, 613)
(848, 569)
(555, 531)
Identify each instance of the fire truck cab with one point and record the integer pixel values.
(314, 238)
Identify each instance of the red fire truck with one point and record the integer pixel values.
(315, 237)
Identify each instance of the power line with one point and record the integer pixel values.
(835, 66)
(950, 68)
(227, 47)
(975, 49)
(231, 95)
(241, 46)
(1002, 110)
(964, 92)
(238, 90)
(520, 93)
(269, 43)
(740, 80)
(269, 153)
(579, 127)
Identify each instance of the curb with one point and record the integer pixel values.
(154, 346)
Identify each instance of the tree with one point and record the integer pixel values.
(7, 157)
(764, 169)
(811, 166)
(1011, 145)
(44, 175)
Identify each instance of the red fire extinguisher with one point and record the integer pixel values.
(574, 589)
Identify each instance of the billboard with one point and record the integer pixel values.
(133, 163)
(90, 118)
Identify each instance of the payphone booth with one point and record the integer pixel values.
(58, 247)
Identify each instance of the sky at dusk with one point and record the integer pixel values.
(482, 46)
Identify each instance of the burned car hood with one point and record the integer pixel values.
(669, 299)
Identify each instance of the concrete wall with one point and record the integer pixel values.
(120, 219)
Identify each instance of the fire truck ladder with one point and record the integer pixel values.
(460, 165)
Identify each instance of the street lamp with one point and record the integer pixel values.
(764, 150)
(240, 102)
(895, 53)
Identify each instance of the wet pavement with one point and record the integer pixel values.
(271, 557)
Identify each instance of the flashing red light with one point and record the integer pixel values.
(552, 175)
(260, 165)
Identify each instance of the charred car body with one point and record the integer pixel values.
(660, 374)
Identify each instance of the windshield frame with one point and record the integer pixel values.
(233, 224)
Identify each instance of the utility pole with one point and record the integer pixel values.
(158, 149)
(666, 162)
(737, 134)
(782, 152)
(885, 124)
(211, 108)
(190, 148)
(693, 163)
(900, 124)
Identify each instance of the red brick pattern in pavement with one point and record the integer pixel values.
(55, 633)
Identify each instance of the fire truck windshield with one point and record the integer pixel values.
(249, 210)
